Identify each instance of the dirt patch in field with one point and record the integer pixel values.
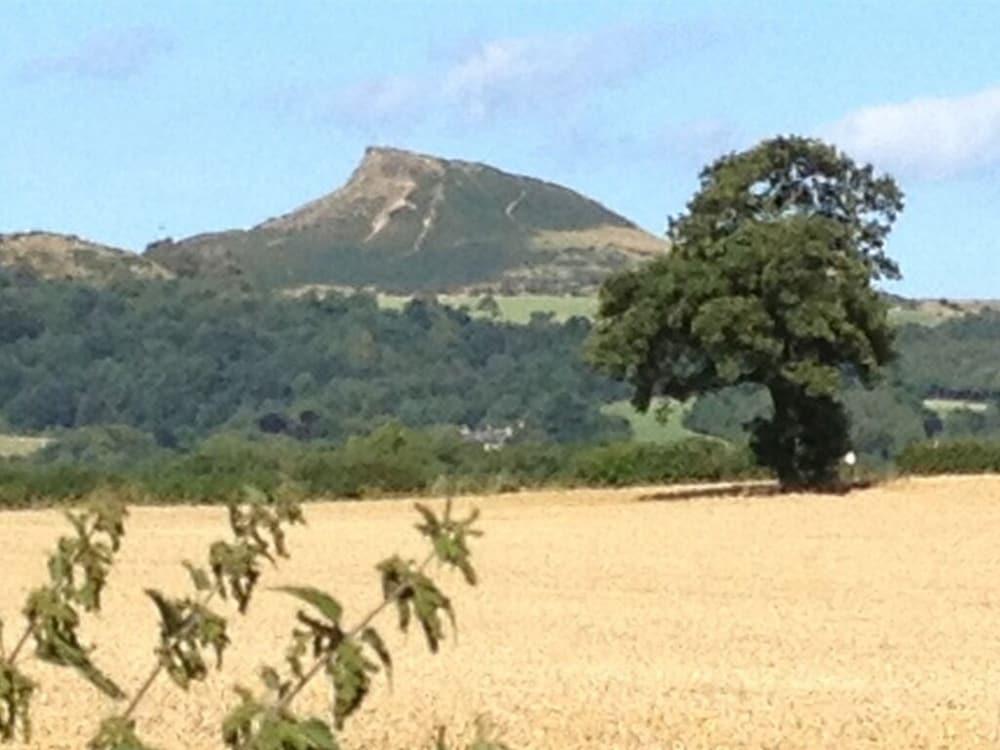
(604, 621)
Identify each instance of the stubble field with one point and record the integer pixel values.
(641, 618)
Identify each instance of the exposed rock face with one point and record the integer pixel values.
(410, 221)
(62, 256)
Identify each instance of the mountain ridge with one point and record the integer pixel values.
(413, 222)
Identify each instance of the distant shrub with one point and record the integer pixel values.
(219, 469)
(532, 464)
(696, 459)
(23, 484)
(393, 458)
(107, 446)
(951, 457)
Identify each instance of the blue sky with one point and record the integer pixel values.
(125, 121)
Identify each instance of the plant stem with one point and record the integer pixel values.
(28, 630)
(317, 665)
(157, 669)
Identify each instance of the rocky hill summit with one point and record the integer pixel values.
(408, 222)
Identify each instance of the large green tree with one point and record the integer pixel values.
(769, 281)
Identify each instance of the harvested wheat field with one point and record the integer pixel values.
(628, 619)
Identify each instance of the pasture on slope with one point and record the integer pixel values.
(640, 618)
(20, 446)
(518, 308)
(647, 427)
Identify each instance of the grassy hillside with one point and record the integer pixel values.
(946, 406)
(16, 446)
(648, 428)
(411, 222)
(512, 308)
(518, 308)
(930, 312)
(48, 255)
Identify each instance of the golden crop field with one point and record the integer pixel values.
(641, 618)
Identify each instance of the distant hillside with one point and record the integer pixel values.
(931, 312)
(61, 256)
(409, 222)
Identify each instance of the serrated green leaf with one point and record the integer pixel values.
(16, 691)
(235, 569)
(317, 734)
(171, 615)
(199, 578)
(254, 726)
(431, 525)
(349, 671)
(109, 514)
(186, 628)
(428, 601)
(292, 734)
(371, 637)
(117, 733)
(325, 604)
(54, 623)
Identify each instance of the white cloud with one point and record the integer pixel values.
(931, 138)
(382, 98)
(519, 73)
(114, 54)
(514, 76)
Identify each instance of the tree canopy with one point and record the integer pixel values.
(769, 282)
(181, 360)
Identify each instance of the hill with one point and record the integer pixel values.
(931, 312)
(411, 222)
(67, 257)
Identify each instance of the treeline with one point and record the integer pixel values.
(389, 460)
(884, 420)
(181, 360)
(957, 360)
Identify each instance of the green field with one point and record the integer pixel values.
(15, 446)
(519, 308)
(928, 312)
(513, 309)
(944, 406)
(921, 316)
(647, 428)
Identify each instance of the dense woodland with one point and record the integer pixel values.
(176, 362)
(181, 360)
(959, 358)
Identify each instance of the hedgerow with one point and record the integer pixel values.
(951, 457)
(690, 460)
(391, 460)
